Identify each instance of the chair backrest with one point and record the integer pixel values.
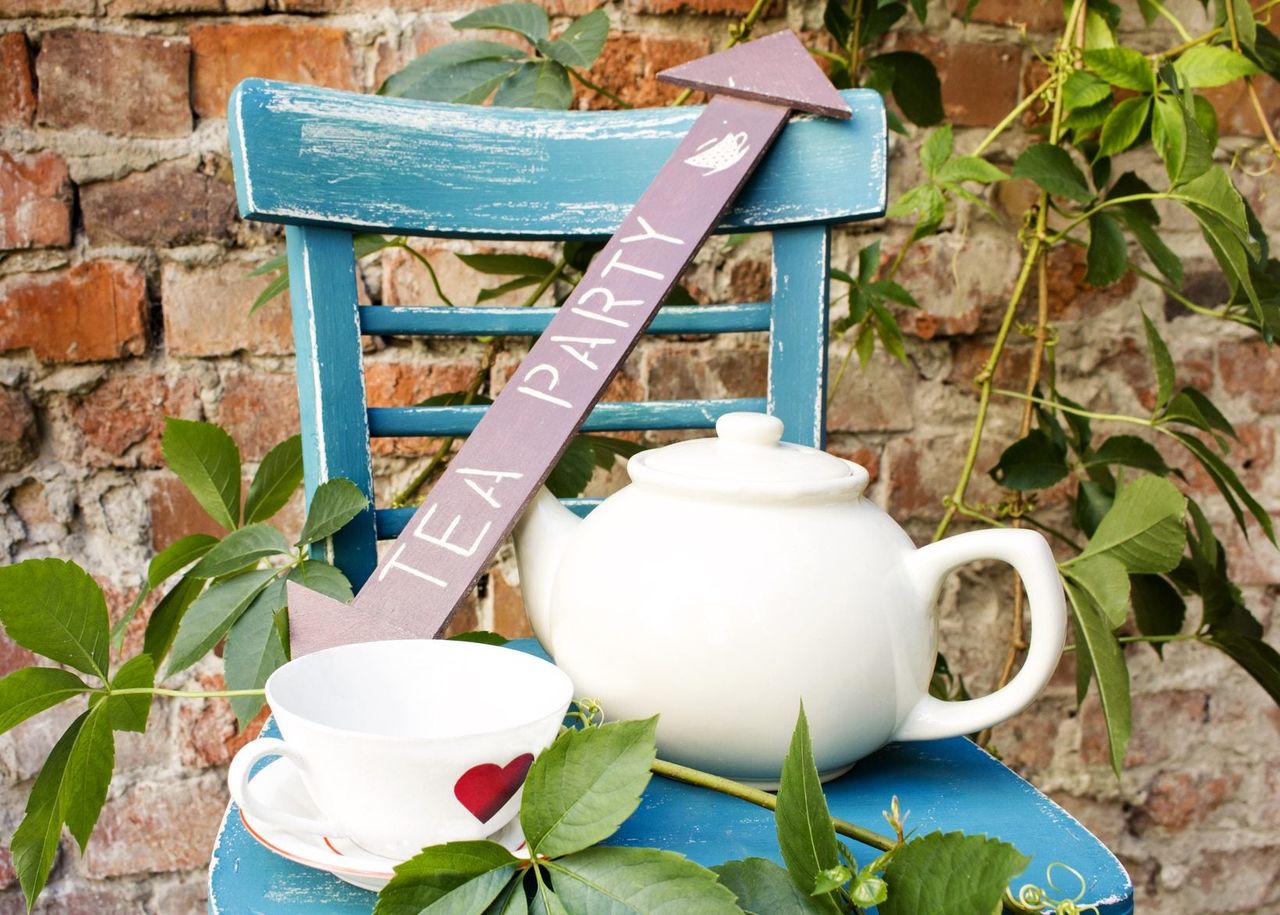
(328, 164)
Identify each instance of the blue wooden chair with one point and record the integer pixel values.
(327, 164)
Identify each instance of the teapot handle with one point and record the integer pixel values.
(1031, 557)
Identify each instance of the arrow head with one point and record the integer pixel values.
(317, 621)
(776, 69)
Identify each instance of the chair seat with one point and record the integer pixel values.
(945, 784)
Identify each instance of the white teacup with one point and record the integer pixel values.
(405, 744)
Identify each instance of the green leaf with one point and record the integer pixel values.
(915, 85)
(1144, 528)
(208, 462)
(240, 549)
(1108, 252)
(255, 648)
(278, 477)
(494, 292)
(324, 578)
(1212, 65)
(949, 873)
(581, 43)
(333, 505)
(537, 84)
(212, 614)
(459, 876)
(30, 690)
(1093, 501)
(511, 900)
(56, 609)
(1106, 581)
(573, 471)
(1123, 125)
(481, 636)
(1051, 167)
(625, 880)
(936, 149)
(1129, 451)
(888, 330)
(970, 168)
(1082, 89)
(1161, 361)
(365, 243)
(868, 262)
(1098, 32)
(764, 888)
(1258, 659)
(271, 265)
(1123, 67)
(71, 789)
(1033, 462)
(805, 834)
(1192, 403)
(177, 556)
(1096, 642)
(1158, 608)
(527, 19)
(163, 623)
(508, 264)
(581, 788)
(926, 200)
(1162, 256)
(868, 889)
(1228, 484)
(1214, 193)
(461, 71)
(1232, 256)
(1085, 121)
(130, 713)
(277, 286)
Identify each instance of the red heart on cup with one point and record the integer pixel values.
(486, 788)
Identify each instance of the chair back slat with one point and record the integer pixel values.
(500, 320)
(304, 155)
(798, 333)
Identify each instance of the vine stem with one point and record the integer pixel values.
(183, 693)
(595, 87)
(763, 799)
(1034, 249)
(1248, 81)
(739, 32)
(1153, 639)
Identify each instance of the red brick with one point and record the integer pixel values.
(19, 434)
(403, 384)
(1175, 800)
(259, 410)
(121, 421)
(94, 311)
(867, 458)
(751, 281)
(509, 617)
(405, 281)
(35, 201)
(1236, 115)
(13, 656)
(969, 357)
(17, 96)
(1036, 15)
(175, 513)
(1070, 297)
(208, 734)
(7, 875)
(166, 7)
(979, 80)
(466, 618)
(628, 64)
(1164, 725)
(156, 828)
(117, 84)
(705, 7)
(16, 9)
(226, 53)
(1251, 369)
(168, 205)
(1027, 743)
(877, 399)
(206, 312)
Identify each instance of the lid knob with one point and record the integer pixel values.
(749, 429)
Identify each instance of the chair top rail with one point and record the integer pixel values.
(309, 156)
(502, 320)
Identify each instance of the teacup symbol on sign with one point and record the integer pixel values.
(720, 153)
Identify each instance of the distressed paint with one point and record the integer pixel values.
(946, 784)
(431, 567)
(798, 333)
(307, 155)
(499, 320)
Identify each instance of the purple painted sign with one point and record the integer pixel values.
(451, 538)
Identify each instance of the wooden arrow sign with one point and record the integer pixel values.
(451, 538)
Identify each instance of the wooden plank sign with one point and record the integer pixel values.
(448, 543)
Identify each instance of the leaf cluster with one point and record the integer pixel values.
(218, 589)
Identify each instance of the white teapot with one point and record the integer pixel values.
(739, 575)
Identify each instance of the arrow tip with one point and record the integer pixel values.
(315, 621)
(775, 69)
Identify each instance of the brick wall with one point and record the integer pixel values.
(124, 297)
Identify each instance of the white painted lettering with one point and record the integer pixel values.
(595, 316)
(443, 540)
(650, 233)
(551, 385)
(497, 475)
(395, 563)
(610, 302)
(630, 268)
(583, 357)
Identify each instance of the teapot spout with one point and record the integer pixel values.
(540, 537)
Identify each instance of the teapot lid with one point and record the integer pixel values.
(748, 457)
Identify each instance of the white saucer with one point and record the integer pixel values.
(279, 786)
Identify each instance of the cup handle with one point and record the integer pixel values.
(238, 781)
(1031, 557)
